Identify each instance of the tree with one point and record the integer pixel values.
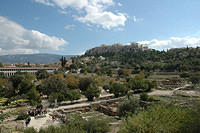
(53, 84)
(1, 64)
(195, 78)
(34, 96)
(63, 61)
(53, 97)
(3, 82)
(42, 74)
(22, 82)
(56, 96)
(16, 79)
(73, 95)
(24, 86)
(29, 76)
(2, 75)
(118, 89)
(72, 81)
(128, 106)
(7, 90)
(91, 92)
(144, 97)
(152, 84)
(184, 75)
(139, 85)
(84, 83)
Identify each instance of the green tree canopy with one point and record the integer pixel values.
(73, 95)
(34, 96)
(42, 74)
(195, 78)
(1, 64)
(72, 81)
(128, 106)
(53, 84)
(85, 82)
(118, 89)
(91, 92)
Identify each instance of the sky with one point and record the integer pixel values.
(70, 27)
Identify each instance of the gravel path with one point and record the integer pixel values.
(167, 92)
(42, 122)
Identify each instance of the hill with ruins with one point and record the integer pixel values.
(116, 48)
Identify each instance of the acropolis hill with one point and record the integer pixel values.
(116, 48)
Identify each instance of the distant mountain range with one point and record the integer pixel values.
(32, 58)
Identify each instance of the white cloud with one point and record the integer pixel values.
(62, 11)
(45, 2)
(173, 42)
(78, 4)
(96, 11)
(69, 27)
(135, 19)
(15, 39)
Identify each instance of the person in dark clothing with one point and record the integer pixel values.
(28, 121)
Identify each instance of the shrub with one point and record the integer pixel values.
(144, 97)
(2, 117)
(195, 78)
(76, 124)
(30, 130)
(73, 95)
(118, 89)
(34, 96)
(163, 119)
(22, 116)
(91, 92)
(184, 75)
(128, 106)
(96, 126)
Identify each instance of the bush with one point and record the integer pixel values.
(163, 119)
(2, 117)
(184, 75)
(73, 95)
(144, 97)
(22, 116)
(118, 89)
(128, 106)
(91, 92)
(34, 96)
(195, 78)
(30, 130)
(96, 126)
(76, 124)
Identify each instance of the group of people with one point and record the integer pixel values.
(36, 112)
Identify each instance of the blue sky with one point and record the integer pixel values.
(73, 26)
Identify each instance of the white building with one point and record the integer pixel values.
(9, 71)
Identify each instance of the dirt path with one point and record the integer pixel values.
(42, 122)
(167, 92)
